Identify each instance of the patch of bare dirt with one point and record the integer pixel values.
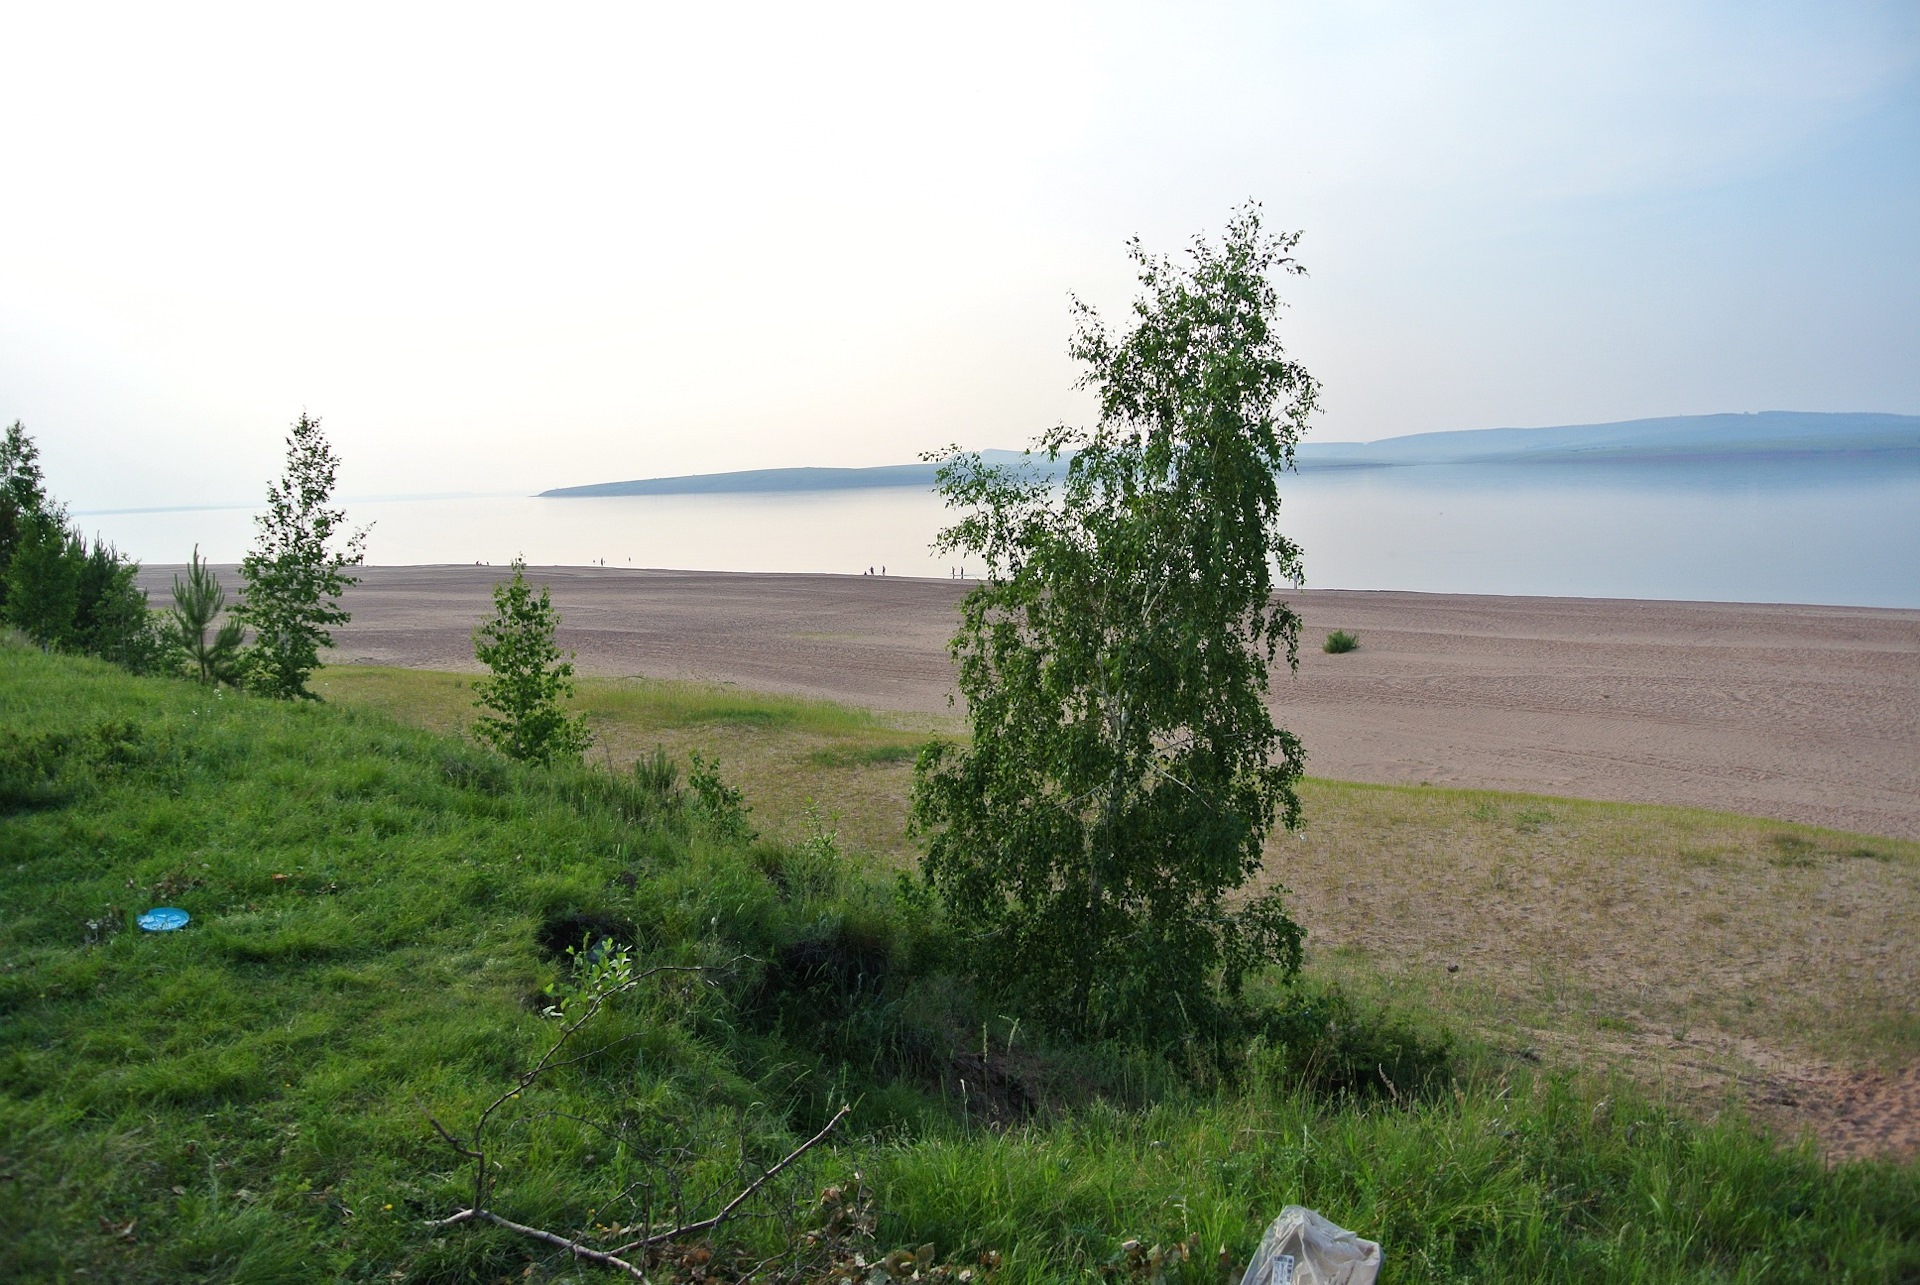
(1852, 1114)
(1856, 1115)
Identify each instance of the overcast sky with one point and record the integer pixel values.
(509, 247)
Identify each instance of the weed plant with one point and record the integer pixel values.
(379, 912)
(1339, 642)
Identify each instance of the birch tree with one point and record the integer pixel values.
(1124, 770)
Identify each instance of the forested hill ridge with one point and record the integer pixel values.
(777, 479)
(1674, 439)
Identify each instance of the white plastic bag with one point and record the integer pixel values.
(1302, 1248)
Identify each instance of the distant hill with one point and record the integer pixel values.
(778, 479)
(1680, 437)
(1674, 439)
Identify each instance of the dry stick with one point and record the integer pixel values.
(709, 1223)
(441, 1129)
(1389, 1083)
(611, 1258)
(573, 1247)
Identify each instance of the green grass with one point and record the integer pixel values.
(774, 747)
(1561, 914)
(243, 1092)
(1340, 641)
(863, 755)
(444, 702)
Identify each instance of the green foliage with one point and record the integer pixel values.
(1340, 641)
(244, 1092)
(43, 581)
(23, 496)
(529, 679)
(1316, 1038)
(863, 755)
(41, 769)
(297, 568)
(1124, 770)
(1526, 1178)
(56, 588)
(657, 774)
(720, 805)
(197, 603)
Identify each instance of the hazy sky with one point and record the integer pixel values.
(511, 247)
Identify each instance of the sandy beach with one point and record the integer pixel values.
(1800, 713)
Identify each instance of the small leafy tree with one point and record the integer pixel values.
(722, 806)
(297, 569)
(1124, 770)
(529, 678)
(197, 603)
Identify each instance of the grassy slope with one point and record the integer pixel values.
(235, 1089)
(1667, 941)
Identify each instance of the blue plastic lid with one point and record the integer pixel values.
(163, 919)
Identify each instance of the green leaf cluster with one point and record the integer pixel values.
(529, 678)
(1124, 770)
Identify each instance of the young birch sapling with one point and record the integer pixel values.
(296, 571)
(529, 677)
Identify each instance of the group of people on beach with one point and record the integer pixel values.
(953, 573)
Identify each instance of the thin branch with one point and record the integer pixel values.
(594, 1005)
(441, 1129)
(709, 1223)
(612, 1133)
(573, 1247)
(479, 1212)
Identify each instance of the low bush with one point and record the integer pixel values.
(1339, 642)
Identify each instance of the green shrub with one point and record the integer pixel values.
(720, 805)
(62, 592)
(1340, 641)
(1320, 1041)
(528, 679)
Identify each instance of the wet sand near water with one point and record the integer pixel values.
(1799, 713)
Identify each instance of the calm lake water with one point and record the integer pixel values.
(1827, 530)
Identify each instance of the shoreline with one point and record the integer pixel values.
(1804, 713)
